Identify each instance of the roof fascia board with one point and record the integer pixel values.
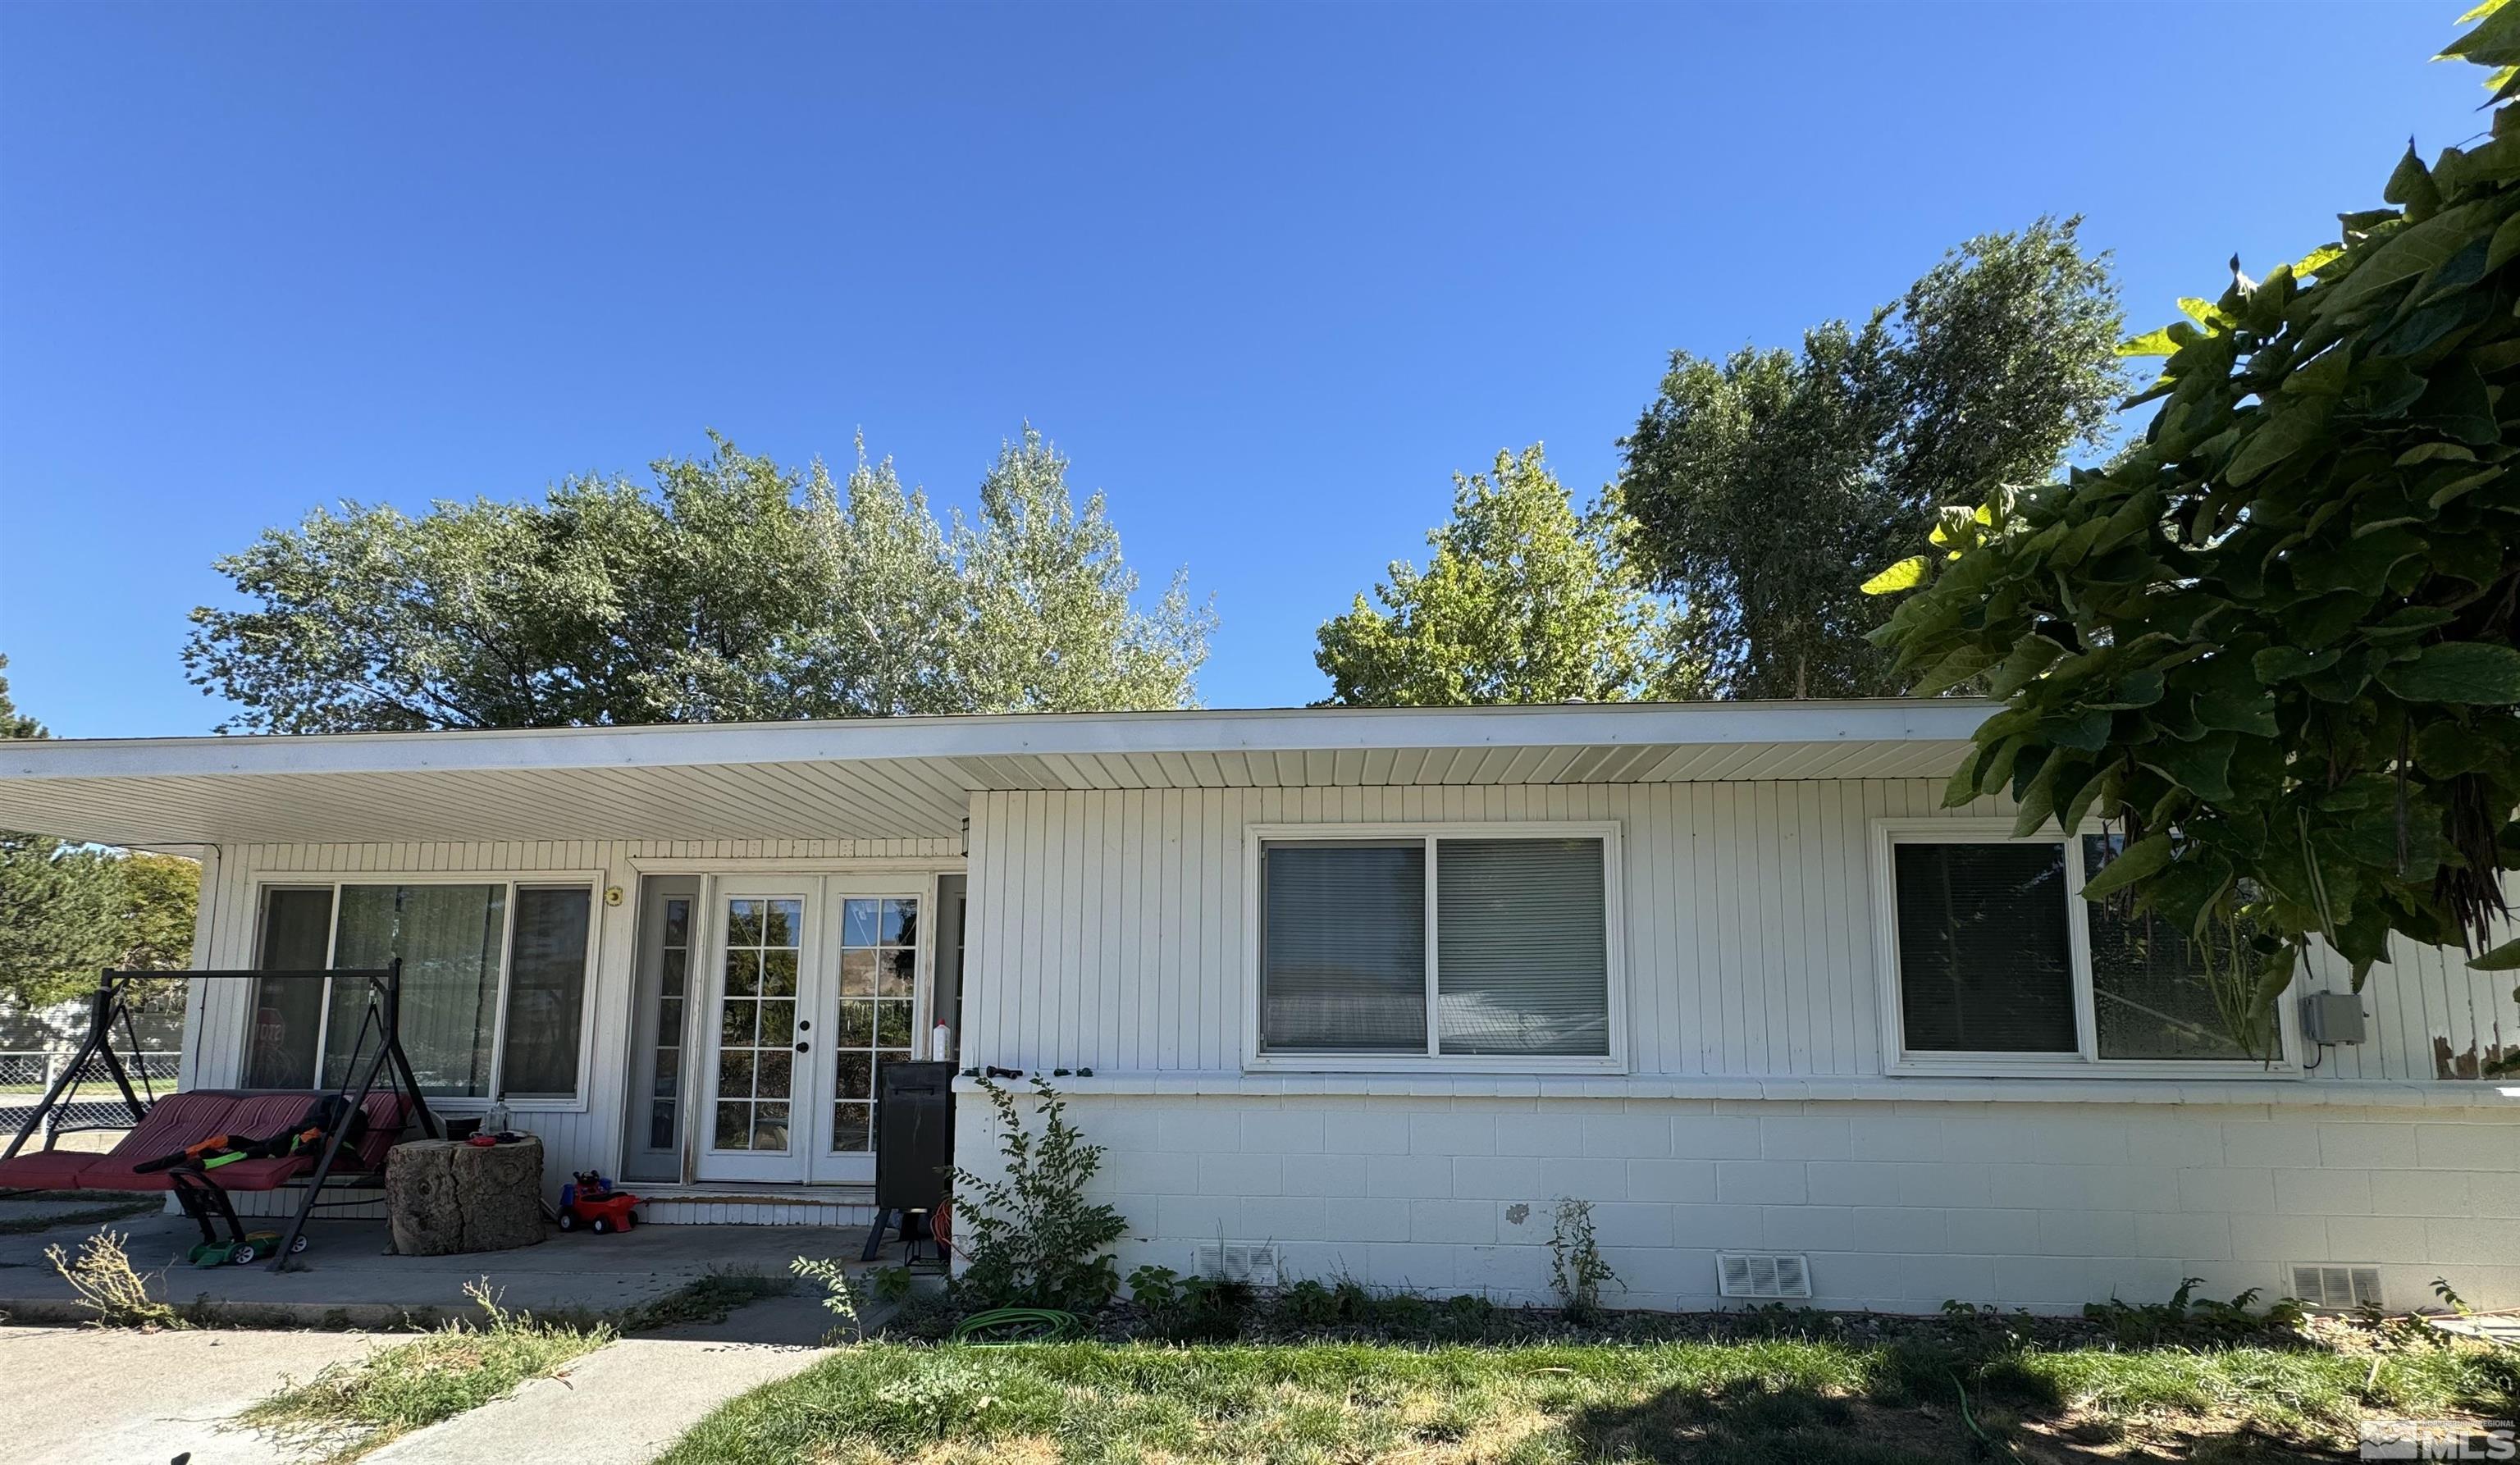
(1003, 735)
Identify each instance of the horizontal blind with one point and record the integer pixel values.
(1343, 955)
(1522, 952)
(1984, 964)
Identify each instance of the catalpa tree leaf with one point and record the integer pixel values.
(2466, 672)
(2310, 558)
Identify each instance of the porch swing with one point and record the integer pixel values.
(261, 1138)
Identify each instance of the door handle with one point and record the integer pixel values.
(800, 1047)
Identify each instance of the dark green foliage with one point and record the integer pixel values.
(1030, 1237)
(2191, 1319)
(1758, 486)
(1310, 1304)
(1190, 1309)
(2274, 639)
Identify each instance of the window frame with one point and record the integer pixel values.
(1256, 837)
(511, 881)
(1899, 1061)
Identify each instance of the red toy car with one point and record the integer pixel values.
(590, 1201)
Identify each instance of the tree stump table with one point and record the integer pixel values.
(444, 1196)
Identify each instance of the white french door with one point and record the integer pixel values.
(815, 980)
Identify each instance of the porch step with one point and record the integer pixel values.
(756, 1208)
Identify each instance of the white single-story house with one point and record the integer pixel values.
(1362, 992)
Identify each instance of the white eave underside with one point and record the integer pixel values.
(909, 777)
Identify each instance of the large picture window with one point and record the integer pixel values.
(1483, 947)
(493, 985)
(1998, 962)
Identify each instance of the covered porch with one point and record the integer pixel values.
(679, 955)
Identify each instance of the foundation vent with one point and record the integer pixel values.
(1250, 1262)
(2342, 1288)
(1755, 1274)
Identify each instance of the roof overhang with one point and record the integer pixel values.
(910, 777)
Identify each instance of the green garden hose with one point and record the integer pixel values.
(2000, 1449)
(1019, 1326)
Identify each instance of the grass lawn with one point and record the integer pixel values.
(1777, 1399)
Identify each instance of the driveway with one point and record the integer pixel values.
(117, 1398)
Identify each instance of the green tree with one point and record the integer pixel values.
(1049, 622)
(1759, 486)
(2275, 640)
(159, 901)
(58, 903)
(1524, 601)
(733, 589)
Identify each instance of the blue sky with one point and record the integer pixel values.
(1269, 274)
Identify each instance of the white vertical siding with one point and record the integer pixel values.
(1107, 927)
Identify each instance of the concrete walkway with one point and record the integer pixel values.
(105, 1396)
(626, 1404)
(349, 1280)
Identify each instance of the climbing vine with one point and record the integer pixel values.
(2273, 641)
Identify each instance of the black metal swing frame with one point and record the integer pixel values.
(381, 1015)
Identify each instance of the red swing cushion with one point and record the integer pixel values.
(260, 1117)
(181, 1120)
(265, 1115)
(45, 1169)
(387, 1115)
(173, 1123)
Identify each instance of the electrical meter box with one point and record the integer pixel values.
(2331, 1017)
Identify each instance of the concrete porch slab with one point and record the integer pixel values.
(349, 1281)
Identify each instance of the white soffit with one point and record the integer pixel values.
(909, 777)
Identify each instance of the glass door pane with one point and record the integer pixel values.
(665, 1071)
(878, 989)
(288, 1012)
(667, 989)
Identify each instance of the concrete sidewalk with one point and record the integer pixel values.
(626, 1404)
(623, 1405)
(107, 1396)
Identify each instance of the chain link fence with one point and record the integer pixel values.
(26, 1074)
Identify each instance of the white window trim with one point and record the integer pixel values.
(1254, 836)
(592, 880)
(1899, 1061)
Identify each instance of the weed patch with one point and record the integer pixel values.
(709, 1297)
(101, 1273)
(352, 1408)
